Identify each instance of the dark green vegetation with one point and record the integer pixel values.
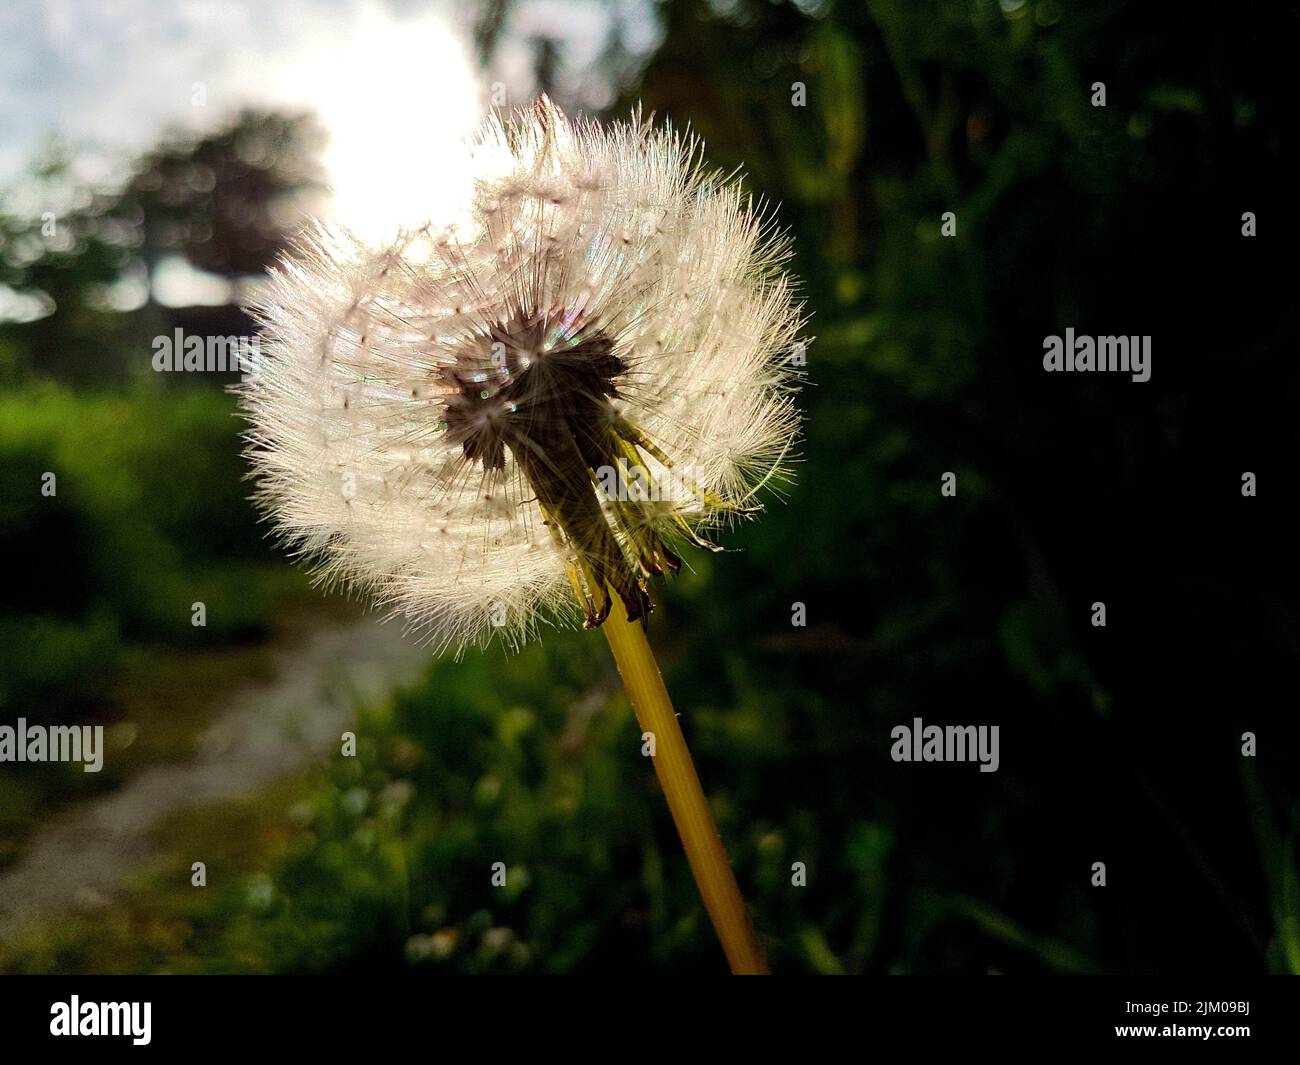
(1119, 745)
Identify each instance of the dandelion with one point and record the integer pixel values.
(523, 415)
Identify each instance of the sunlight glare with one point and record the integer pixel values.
(397, 98)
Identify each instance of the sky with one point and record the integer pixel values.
(394, 82)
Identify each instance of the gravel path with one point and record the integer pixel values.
(79, 860)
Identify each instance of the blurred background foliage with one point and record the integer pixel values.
(1120, 745)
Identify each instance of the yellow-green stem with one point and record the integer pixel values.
(681, 785)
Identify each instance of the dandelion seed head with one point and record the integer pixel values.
(432, 419)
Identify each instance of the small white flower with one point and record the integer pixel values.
(455, 421)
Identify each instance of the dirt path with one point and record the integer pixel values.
(269, 732)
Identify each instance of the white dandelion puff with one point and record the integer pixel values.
(548, 397)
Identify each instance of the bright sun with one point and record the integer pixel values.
(397, 97)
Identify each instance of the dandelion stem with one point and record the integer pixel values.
(681, 784)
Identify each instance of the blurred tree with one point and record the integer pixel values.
(227, 199)
(60, 243)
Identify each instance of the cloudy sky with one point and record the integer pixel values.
(393, 81)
